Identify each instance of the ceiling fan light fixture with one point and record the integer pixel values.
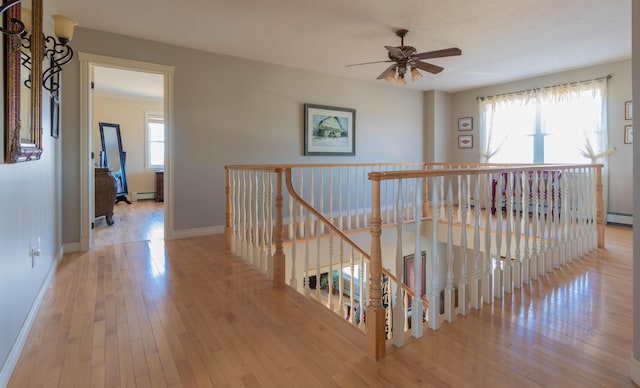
(391, 75)
(401, 80)
(415, 74)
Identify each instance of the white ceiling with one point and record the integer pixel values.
(501, 40)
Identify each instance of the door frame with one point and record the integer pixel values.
(87, 200)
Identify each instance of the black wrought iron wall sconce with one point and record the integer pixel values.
(56, 48)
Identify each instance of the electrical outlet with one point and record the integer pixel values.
(35, 252)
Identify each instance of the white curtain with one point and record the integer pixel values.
(572, 118)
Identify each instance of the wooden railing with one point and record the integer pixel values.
(545, 217)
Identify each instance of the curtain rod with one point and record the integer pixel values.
(608, 76)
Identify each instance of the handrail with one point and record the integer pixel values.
(340, 233)
(387, 175)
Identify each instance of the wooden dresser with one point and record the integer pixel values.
(105, 194)
(159, 186)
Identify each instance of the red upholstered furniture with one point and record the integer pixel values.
(542, 178)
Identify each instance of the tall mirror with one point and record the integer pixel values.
(114, 158)
(23, 54)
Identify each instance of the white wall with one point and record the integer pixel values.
(30, 206)
(234, 111)
(129, 113)
(619, 90)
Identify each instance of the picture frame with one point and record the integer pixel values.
(628, 110)
(329, 130)
(408, 276)
(55, 116)
(465, 141)
(628, 134)
(465, 124)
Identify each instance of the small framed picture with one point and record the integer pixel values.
(628, 110)
(628, 134)
(465, 141)
(465, 123)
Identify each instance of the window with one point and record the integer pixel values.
(562, 124)
(155, 140)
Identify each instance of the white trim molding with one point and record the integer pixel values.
(196, 232)
(87, 63)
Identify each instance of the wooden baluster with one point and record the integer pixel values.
(340, 195)
(573, 199)
(279, 258)
(312, 199)
(417, 310)
(365, 219)
(399, 307)
(594, 209)
(330, 272)
(583, 208)
(527, 220)
(363, 289)
(497, 269)
(476, 292)
(245, 216)
(270, 205)
(317, 237)
(352, 290)
(507, 268)
(263, 222)
(228, 215)
(341, 278)
(544, 208)
(548, 238)
(307, 235)
(487, 279)
(349, 198)
(449, 291)
(293, 283)
(357, 209)
(556, 218)
(434, 300)
(443, 214)
(463, 286)
(600, 216)
(331, 195)
(256, 222)
(233, 193)
(517, 263)
(375, 312)
(388, 202)
(534, 225)
(294, 220)
(563, 214)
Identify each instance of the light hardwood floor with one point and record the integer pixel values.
(185, 313)
(140, 220)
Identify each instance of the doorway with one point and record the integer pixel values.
(137, 97)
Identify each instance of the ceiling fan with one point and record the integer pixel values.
(406, 58)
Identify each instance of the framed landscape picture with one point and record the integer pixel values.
(329, 130)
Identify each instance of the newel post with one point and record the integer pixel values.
(278, 258)
(227, 219)
(375, 322)
(599, 207)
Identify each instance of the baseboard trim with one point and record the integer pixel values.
(71, 247)
(634, 370)
(14, 354)
(196, 232)
(624, 219)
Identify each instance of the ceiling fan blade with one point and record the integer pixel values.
(439, 53)
(384, 73)
(395, 52)
(368, 63)
(433, 69)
